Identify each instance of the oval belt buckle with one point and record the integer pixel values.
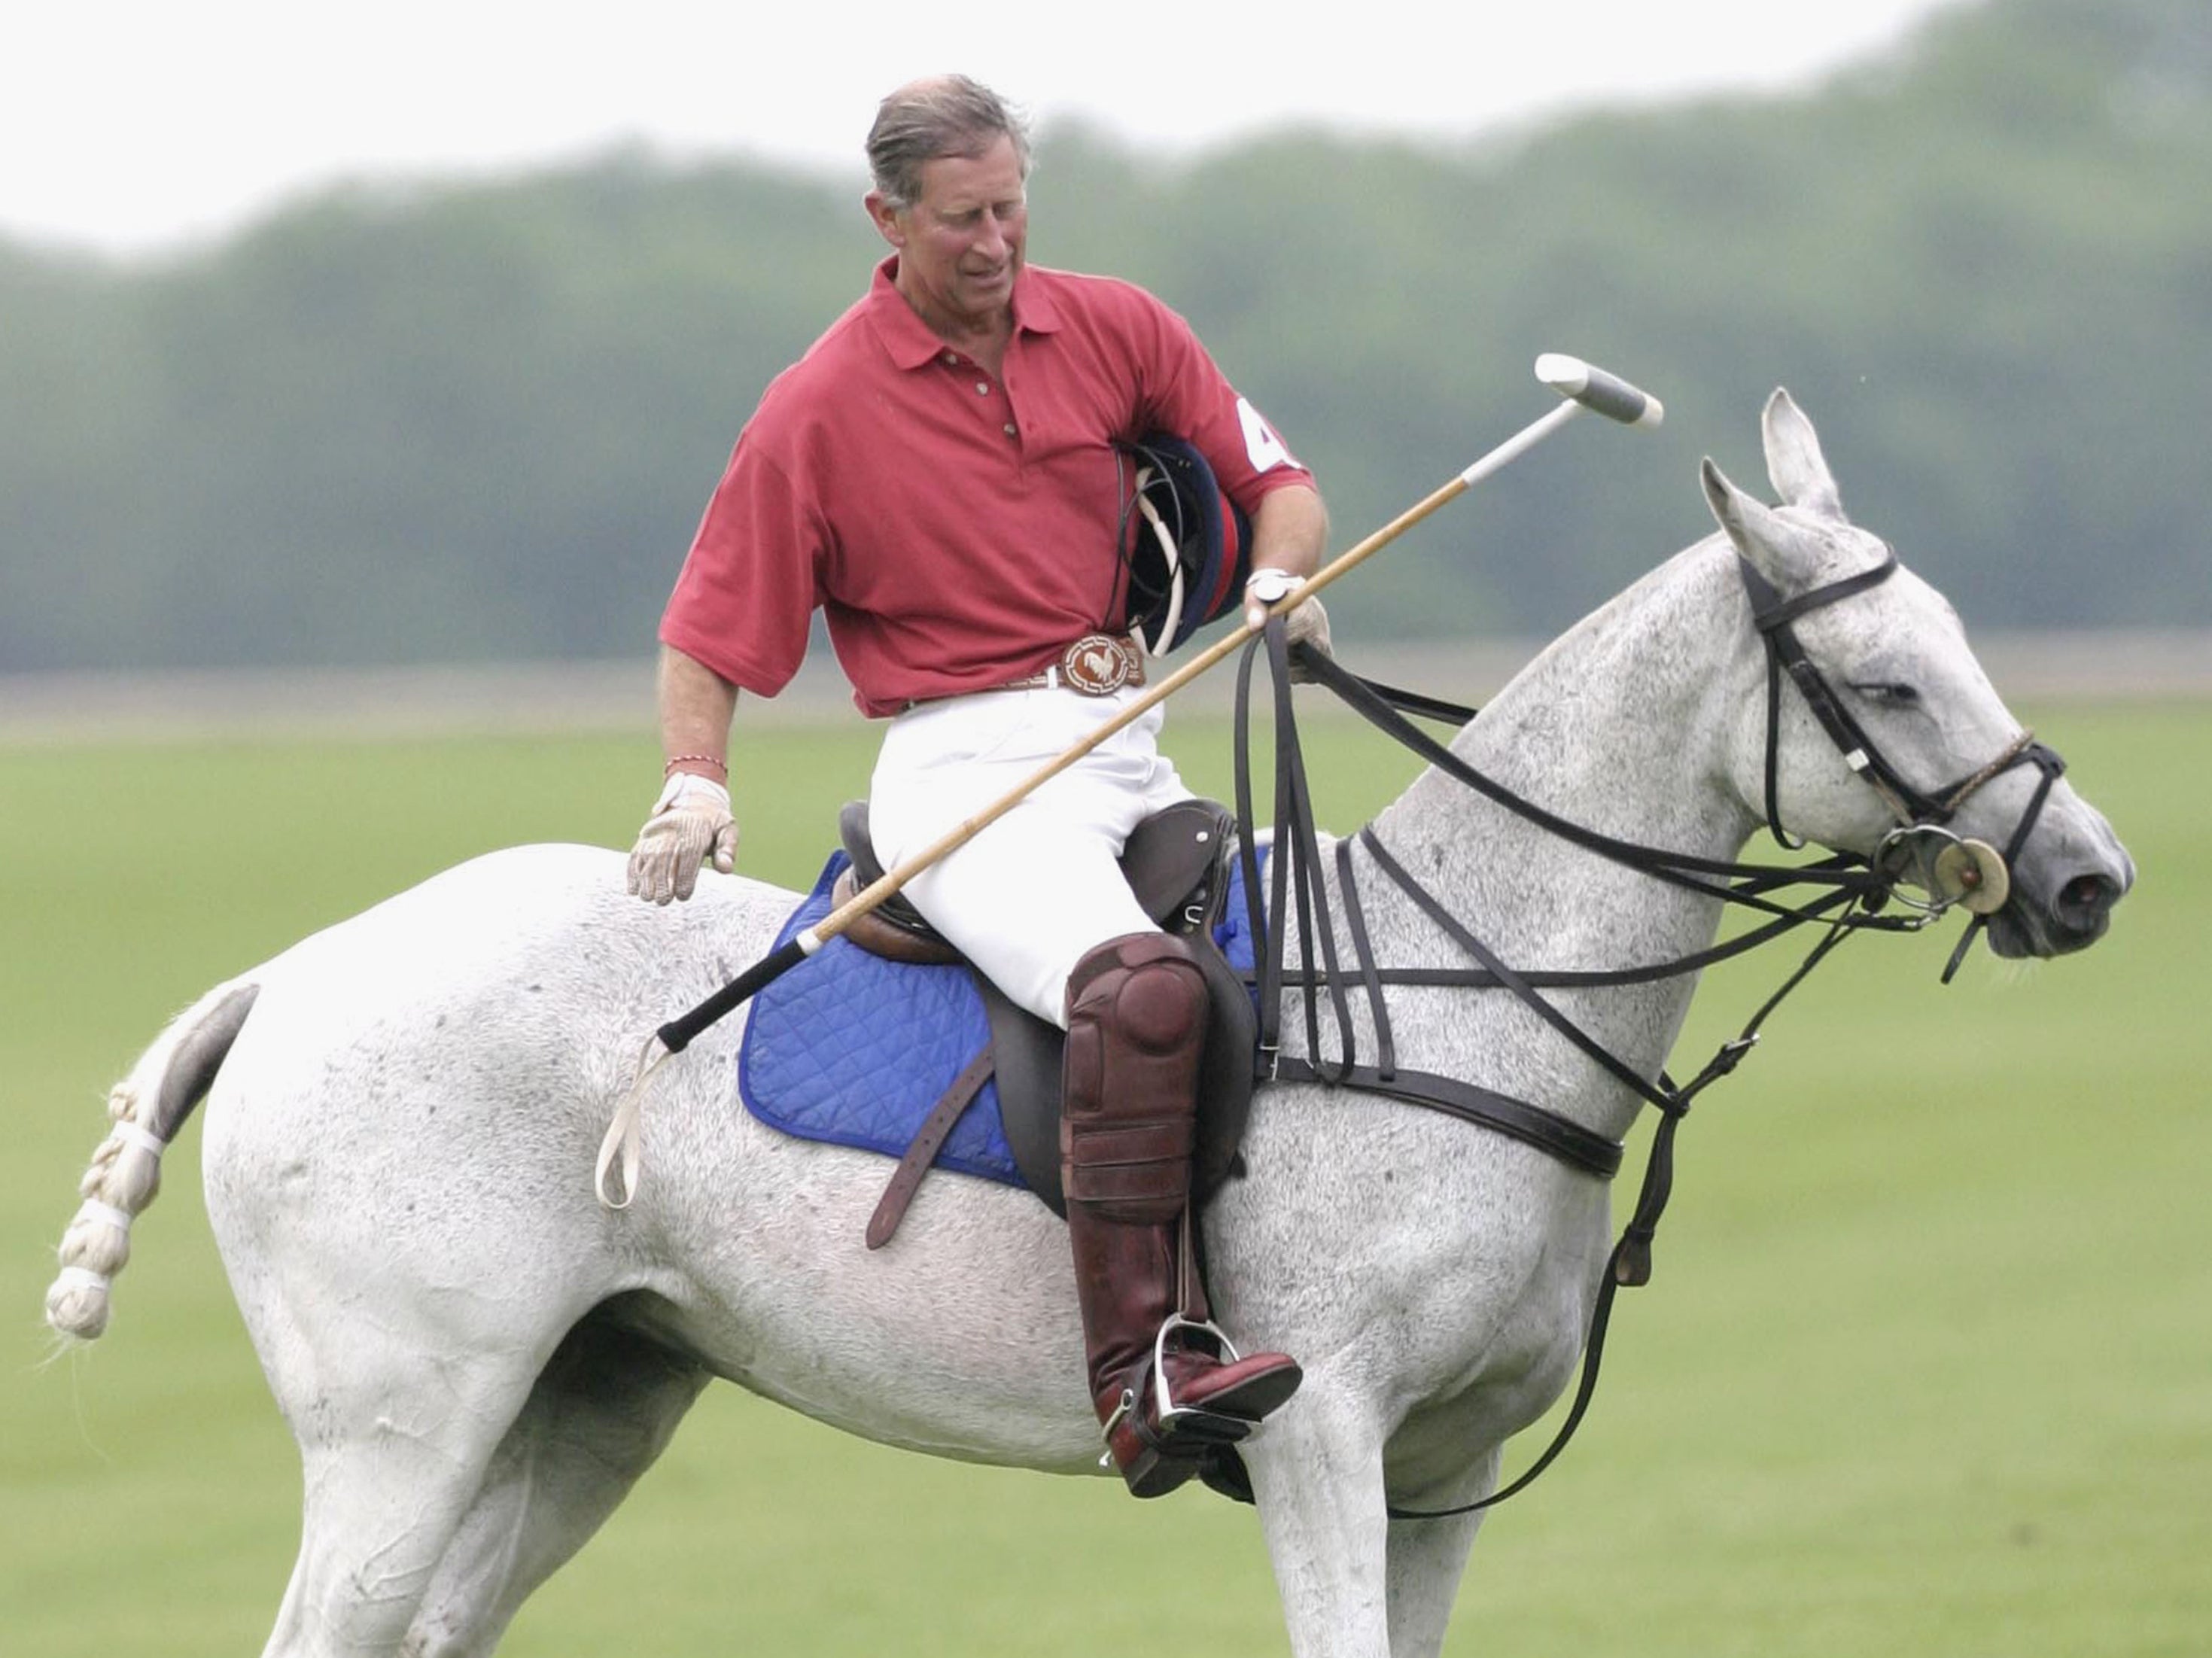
(1097, 665)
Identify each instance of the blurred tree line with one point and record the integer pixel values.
(457, 422)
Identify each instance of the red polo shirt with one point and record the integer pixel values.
(956, 530)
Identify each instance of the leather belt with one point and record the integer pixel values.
(1097, 665)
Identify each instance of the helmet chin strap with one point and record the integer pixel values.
(1162, 638)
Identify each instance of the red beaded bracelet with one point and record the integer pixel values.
(722, 766)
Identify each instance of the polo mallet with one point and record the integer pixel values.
(1578, 383)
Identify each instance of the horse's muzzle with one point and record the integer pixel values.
(2073, 914)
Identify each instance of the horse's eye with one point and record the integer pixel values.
(1894, 693)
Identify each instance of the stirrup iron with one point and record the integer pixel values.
(1192, 1421)
(1224, 1351)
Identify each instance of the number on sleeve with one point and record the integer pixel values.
(1264, 448)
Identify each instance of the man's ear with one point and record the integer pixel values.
(889, 225)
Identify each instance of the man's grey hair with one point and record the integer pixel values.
(950, 115)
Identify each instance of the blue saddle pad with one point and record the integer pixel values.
(853, 1049)
(1233, 931)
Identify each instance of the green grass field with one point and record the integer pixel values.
(1926, 1368)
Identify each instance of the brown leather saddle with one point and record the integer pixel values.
(1177, 864)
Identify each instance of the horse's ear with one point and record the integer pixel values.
(1750, 523)
(1795, 465)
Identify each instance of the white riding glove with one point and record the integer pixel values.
(1307, 625)
(691, 823)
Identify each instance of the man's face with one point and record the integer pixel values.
(960, 245)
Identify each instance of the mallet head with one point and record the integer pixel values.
(1595, 389)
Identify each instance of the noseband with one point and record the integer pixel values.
(1919, 814)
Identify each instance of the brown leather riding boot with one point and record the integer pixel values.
(1166, 1382)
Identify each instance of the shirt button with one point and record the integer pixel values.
(951, 358)
(1010, 428)
(982, 388)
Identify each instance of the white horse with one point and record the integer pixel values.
(479, 1360)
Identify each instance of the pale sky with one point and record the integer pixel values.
(134, 127)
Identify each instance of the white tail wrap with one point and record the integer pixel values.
(144, 1138)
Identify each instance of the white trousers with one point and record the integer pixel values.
(1040, 888)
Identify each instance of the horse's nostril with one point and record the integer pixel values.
(2087, 898)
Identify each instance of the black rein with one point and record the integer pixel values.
(1855, 893)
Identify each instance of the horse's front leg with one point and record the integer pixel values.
(1317, 1472)
(1428, 1557)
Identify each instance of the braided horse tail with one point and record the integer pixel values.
(147, 1106)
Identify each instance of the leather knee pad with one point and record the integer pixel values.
(1136, 1032)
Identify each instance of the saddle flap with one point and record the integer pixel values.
(1027, 1051)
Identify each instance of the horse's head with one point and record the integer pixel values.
(1879, 734)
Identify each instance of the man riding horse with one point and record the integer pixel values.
(943, 474)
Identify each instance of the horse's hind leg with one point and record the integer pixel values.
(398, 1375)
(600, 1413)
(392, 1453)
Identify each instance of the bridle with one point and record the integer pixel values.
(1858, 890)
(1962, 870)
